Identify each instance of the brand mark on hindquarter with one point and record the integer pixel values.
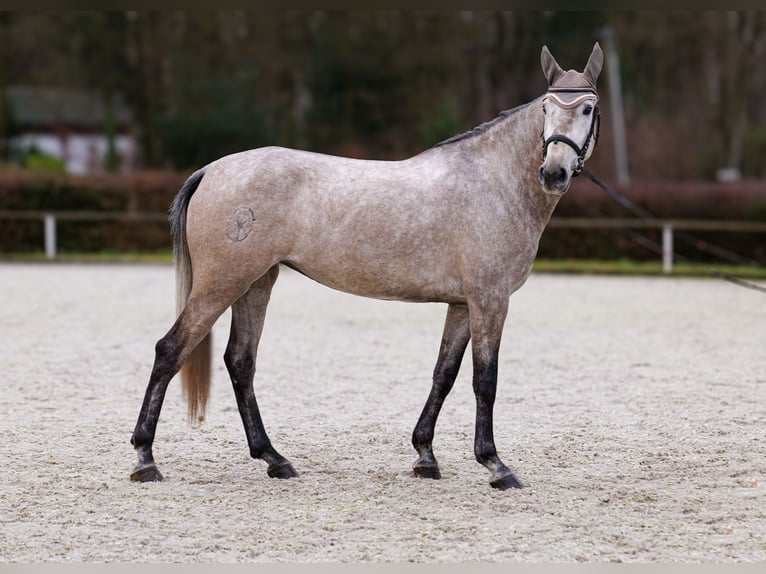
(240, 224)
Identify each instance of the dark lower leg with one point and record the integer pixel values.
(166, 365)
(485, 384)
(242, 370)
(170, 353)
(454, 341)
(248, 314)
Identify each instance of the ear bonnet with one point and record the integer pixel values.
(569, 88)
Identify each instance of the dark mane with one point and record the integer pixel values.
(480, 129)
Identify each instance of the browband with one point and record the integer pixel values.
(571, 103)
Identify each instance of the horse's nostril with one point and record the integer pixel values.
(562, 174)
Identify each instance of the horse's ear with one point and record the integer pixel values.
(596, 60)
(551, 69)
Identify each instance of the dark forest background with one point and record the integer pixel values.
(387, 84)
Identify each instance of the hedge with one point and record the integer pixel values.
(140, 192)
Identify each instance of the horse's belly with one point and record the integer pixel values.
(403, 282)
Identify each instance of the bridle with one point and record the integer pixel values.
(595, 126)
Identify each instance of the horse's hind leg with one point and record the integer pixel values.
(194, 322)
(454, 341)
(247, 316)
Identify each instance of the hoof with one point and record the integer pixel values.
(505, 482)
(281, 470)
(146, 474)
(427, 472)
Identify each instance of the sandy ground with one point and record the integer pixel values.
(635, 410)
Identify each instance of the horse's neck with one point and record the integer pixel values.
(519, 149)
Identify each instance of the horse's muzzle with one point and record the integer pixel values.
(555, 180)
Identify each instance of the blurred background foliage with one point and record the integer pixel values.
(388, 84)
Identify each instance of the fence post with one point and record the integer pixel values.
(667, 248)
(50, 235)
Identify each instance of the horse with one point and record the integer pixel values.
(459, 223)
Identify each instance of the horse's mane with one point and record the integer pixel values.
(482, 128)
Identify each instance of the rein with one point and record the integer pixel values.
(595, 128)
(646, 216)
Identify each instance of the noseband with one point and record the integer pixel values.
(595, 126)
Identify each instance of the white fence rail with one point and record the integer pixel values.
(49, 220)
(668, 226)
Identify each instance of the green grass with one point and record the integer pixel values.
(573, 266)
(643, 268)
(98, 257)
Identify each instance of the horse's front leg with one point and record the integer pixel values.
(454, 341)
(486, 319)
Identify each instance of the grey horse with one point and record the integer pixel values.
(459, 223)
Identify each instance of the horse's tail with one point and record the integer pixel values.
(195, 372)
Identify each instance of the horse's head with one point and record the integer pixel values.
(571, 120)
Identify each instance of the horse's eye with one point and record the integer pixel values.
(544, 110)
(587, 110)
